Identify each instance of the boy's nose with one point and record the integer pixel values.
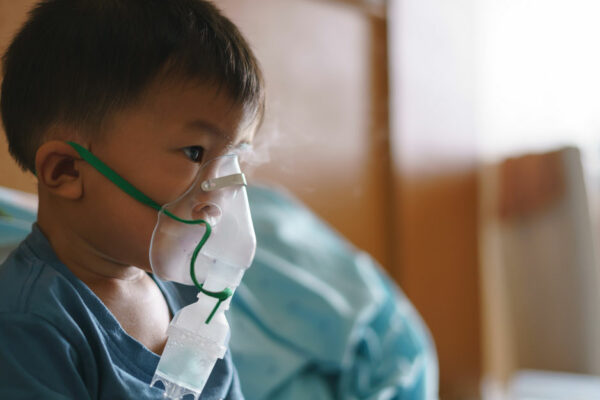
(210, 212)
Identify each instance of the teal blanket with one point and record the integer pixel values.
(317, 319)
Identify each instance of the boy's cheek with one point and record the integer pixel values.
(168, 188)
(119, 225)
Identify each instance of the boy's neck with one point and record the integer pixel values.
(86, 262)
(128, 292)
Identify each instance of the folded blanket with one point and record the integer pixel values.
(18, 211)
(316, 319)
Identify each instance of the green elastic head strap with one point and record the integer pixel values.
(114, 177)
(137, 194)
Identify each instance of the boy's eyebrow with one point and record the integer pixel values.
(202, 125)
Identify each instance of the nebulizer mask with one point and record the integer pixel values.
(205, 238)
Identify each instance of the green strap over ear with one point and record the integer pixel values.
(113, 176)
(137, 194)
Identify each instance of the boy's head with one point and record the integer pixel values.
(75, 63)
(153, 88)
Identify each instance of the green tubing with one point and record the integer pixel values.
(195, 255)
(220, 296)
(137, 194)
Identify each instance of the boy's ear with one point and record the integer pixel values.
(57, 167)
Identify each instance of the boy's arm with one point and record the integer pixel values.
(36, 361)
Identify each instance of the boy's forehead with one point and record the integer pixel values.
(186, 109)
(200, 106)
(244, 134)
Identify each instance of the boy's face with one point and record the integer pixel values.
(158, 146)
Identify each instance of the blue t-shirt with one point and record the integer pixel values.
(59, 341)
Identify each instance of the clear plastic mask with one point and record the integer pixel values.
(217, 196)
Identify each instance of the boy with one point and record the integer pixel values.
(153, 88)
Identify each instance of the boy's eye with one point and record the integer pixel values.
(194, 153)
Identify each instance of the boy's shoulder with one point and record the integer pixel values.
(35, 287)
(48, 324)
(27, 282)
(33, 290)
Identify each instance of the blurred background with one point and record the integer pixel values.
(457, 141)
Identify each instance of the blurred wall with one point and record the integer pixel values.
(539, 64)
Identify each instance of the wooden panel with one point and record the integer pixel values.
(437, 224)
(12, 15)
(434, 147)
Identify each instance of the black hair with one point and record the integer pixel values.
(77, 62)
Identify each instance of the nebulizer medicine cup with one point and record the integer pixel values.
(193, 349)
(187, 363)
